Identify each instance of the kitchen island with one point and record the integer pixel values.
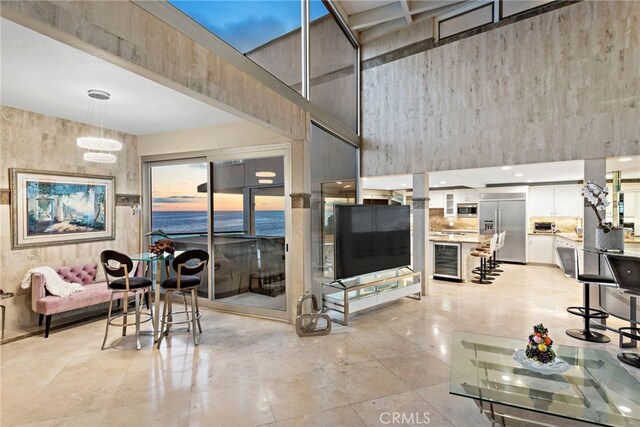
(450, 254)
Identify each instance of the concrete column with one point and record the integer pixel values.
(421, 228)
(594, 171)
(299, 254)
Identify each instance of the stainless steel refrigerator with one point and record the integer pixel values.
(506, 212)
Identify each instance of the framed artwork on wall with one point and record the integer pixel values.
(56, 208)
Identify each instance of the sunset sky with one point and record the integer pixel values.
(175, 187)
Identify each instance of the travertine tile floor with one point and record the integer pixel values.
(249, 371)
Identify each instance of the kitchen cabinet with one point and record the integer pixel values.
(568, 200)
(449, 204)
(466, 196)
(436, 199)
(559, 200)
(541, 248)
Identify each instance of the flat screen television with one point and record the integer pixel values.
(369, 238)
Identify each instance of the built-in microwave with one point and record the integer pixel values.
(468, 210)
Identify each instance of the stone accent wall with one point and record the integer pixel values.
(35, 141)
(563, 85)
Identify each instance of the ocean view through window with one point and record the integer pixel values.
(268, 223)
(178, 207)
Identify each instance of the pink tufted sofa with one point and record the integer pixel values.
(47, 305)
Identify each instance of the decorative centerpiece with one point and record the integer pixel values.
(539, 347)
(539, 355)
(162, 246)
(608, 237)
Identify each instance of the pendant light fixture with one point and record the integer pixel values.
(99, 149)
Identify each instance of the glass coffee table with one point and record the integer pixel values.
(596, 389)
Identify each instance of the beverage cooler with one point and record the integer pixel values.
(447, 262)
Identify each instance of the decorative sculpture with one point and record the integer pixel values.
(307, 323)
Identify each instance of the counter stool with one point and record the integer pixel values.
(116, 264)
(626, 273)
(482, 270)
(488, 248)
(499, 245)
(569, 261)
(188, 278)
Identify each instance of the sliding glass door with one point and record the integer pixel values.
(234, 206)
(248, 241)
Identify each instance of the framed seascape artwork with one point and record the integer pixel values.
(55, 208)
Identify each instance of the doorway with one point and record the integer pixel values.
(249, 228)
(232, 204)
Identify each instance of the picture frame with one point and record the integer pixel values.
(58, 208)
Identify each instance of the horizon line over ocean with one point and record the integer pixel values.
(268, 223)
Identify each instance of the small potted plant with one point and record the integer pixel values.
(608, 237)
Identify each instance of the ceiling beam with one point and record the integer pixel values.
(382, 29)
(419, 6)
(341, 10)
(379, 15)
(405, 9)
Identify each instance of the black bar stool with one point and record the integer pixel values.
(188, 278)
(119, 265)
(569, 261)
(626, 272)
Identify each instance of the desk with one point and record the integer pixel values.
(159, 260)
(596, 389)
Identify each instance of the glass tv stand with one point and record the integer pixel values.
(346, 296)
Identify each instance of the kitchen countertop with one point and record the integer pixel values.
(574, 237)
(458, 238)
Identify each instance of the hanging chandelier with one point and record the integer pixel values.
(99, 149)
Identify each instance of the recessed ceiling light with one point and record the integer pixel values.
(387, 188)
(347, 186)
(339, 182)
(265, 181)
(625, 159)
(529, 180)
(506, 168)
(436, 186)
(364, 179)
(624, 409)
(608, 176)
(506, 377)
(443, 182)
(519, 174)
(265, 174)
(403, 184)
(577, 177)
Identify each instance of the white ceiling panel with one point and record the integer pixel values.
(43, 75)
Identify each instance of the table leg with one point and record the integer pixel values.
(156, 303)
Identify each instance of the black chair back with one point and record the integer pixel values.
(626, 272)
(122, 259)
(201, 256)
(569, 260)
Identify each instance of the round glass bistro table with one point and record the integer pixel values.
(151, 260)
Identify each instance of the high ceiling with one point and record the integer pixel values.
(45, 76)
(380, 16)
(516, 175)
